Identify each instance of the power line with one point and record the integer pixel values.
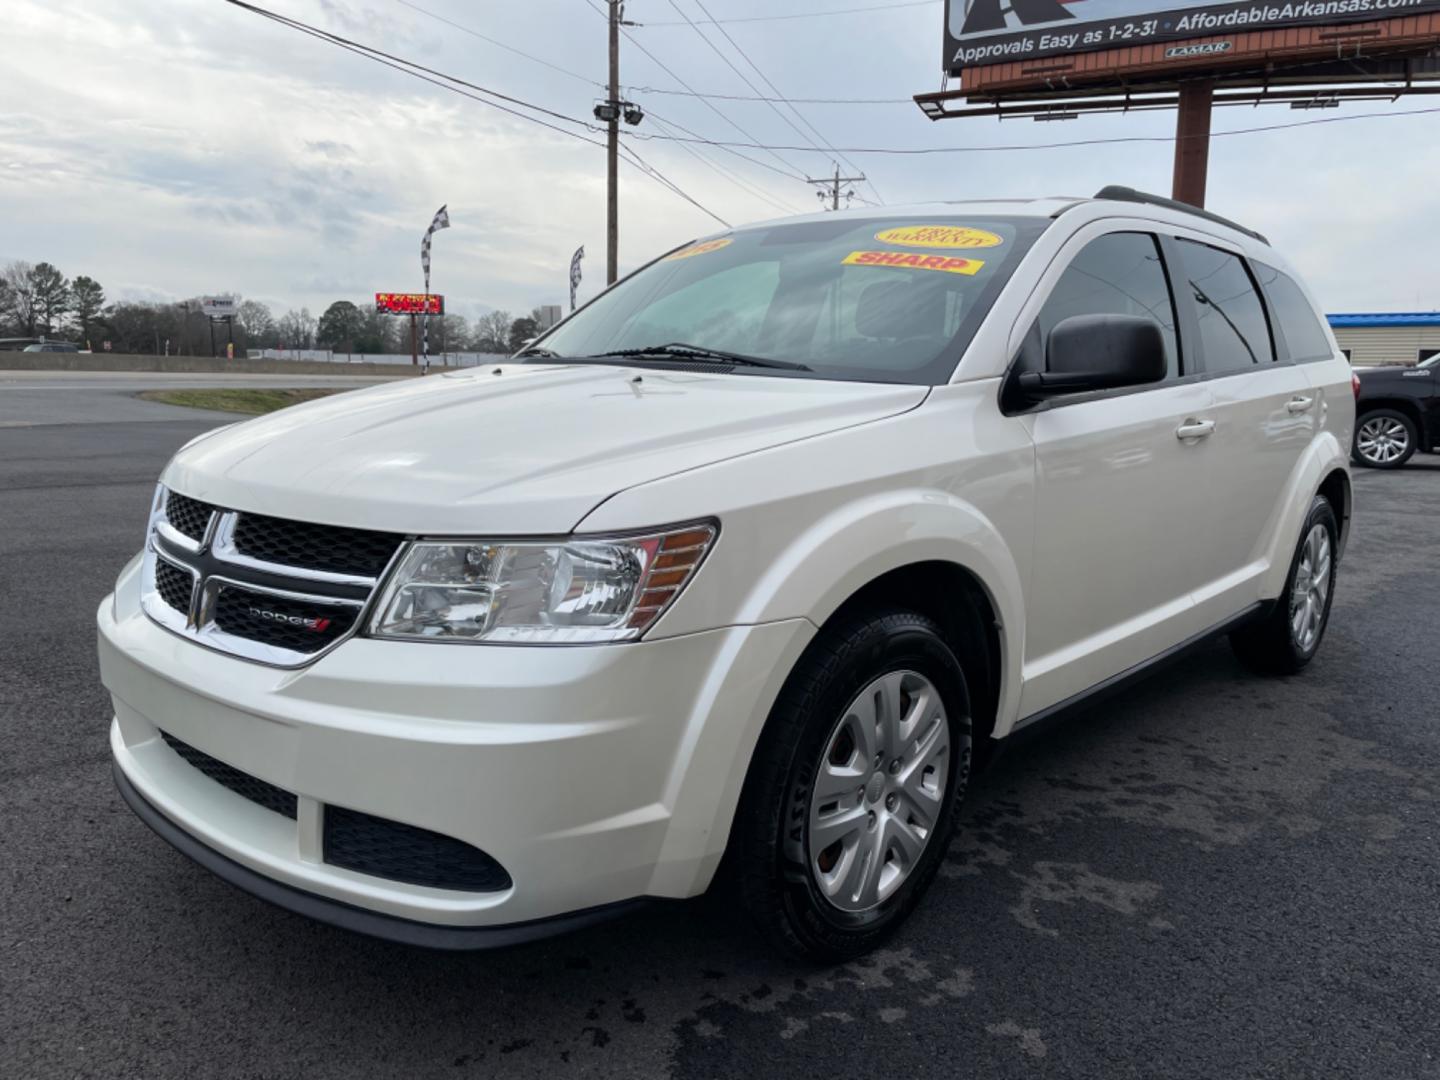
(729, 174)
(776, 90)
(728, 149)
(787, 100)
(809, 14)
(743, 77)
(498, 44)
(795, 173)
(923, 150)
(425, 74)
(656, 174)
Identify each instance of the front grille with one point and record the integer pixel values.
(267, 589)
(389, 849)
(297, 625)
(301, 544)
(241, 783)
(174, 586)
(186, 515)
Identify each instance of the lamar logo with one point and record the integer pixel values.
(1204, 48)
(315, 625)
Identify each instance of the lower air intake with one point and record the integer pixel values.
(241, 783)
(388, 849)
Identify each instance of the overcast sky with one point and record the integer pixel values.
(176, 147)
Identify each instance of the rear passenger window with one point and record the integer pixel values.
(1234, 334)
(1118, 274)
(1304, 337)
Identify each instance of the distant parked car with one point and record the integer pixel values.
(52, 346)
(1396, 413)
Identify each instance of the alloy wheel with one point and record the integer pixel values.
(878, 791)
(1382, 440)
(1311, 588)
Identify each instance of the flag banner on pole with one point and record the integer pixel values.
(440, 221)
(575, 273)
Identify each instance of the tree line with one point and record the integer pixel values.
(37, 300)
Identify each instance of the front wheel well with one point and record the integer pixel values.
(953, 596)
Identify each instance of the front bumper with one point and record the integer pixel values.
(593, 775)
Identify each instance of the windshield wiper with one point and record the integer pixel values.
(681, 351)
(540, 351)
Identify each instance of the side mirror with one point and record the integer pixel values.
(1098, 352)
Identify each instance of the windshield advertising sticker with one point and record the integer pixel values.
(939, 236)
(995, 31)
(913, 260)
(699, 249)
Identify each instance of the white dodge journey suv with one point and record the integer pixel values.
(757, 556)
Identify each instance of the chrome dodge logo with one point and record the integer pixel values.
(315, 625)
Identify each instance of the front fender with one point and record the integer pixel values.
(842, 552)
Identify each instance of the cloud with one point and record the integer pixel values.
(179, 148)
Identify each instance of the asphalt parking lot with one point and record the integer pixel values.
(1213, 875)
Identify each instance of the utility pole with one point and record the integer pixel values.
(611, 111)
(612, 152)
(834, 183)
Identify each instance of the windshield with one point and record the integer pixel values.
(873, 299)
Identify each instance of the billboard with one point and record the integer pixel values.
(979, 32)
(410, 303)
(218, 307)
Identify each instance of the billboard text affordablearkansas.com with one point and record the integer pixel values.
(994, 31)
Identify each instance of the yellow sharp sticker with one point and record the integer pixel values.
(939, 236)
(913, 260)
(699, 249)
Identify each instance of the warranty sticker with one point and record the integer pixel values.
(700, 249)
(939, 236)
(913, 260)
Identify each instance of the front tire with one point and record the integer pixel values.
(855, 787)
(1288, 637)
(1384, 439)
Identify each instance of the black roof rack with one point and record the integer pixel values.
(1124, 194)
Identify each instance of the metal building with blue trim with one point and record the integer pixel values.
(1387, 337)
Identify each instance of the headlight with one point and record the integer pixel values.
(581, 589)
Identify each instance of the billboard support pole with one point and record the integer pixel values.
(414, 348)
(1192, 141)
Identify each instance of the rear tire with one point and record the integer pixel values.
(1384, 439)
(879, 685)
(1288, 637)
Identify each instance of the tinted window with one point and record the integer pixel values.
(1234, 334)
(1303, 334)
(881, 299)
(1118, 274)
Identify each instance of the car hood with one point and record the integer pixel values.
(517, 449)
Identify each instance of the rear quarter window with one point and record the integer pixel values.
(1305, 339)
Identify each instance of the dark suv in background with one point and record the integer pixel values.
(1396, 413)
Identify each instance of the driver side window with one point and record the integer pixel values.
(1117, 274)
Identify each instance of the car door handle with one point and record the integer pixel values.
(1195, 429)
(1299, 403)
